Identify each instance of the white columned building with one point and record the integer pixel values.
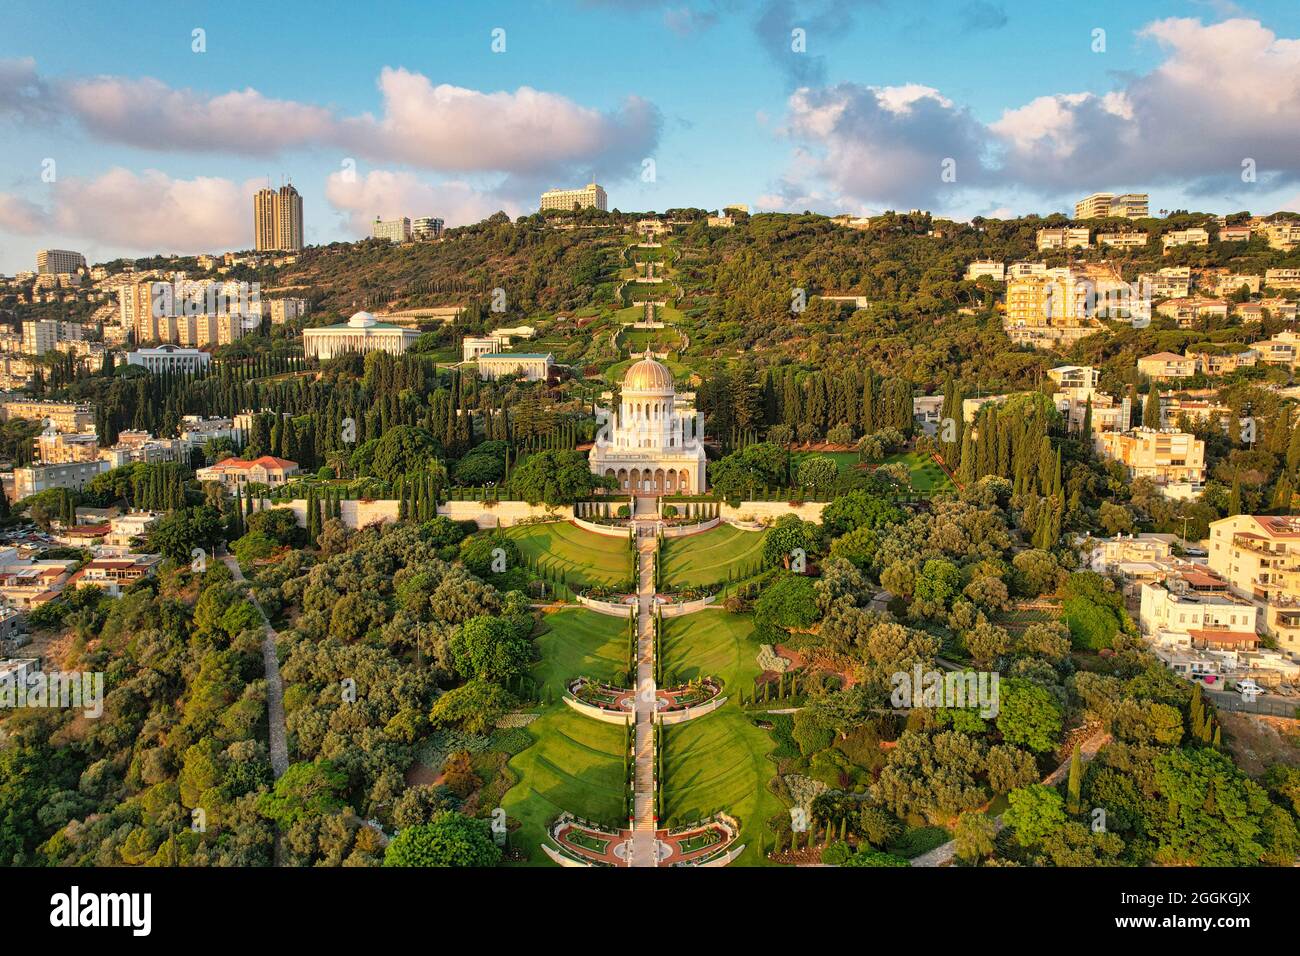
(361, 333)
(654, 443)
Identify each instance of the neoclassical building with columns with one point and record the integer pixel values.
(653, 444)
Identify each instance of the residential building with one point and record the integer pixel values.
(1170, 283)
(424, 228)
(1112, 555)
(533, 366)
(590, 195)
(1259, 557)
(65, 416)
(286, 310)
(277, 220)
(26, 583)
(970, 407)
(1162, 366)
(1063, 237)
(1222, 360)
(1122, 240)
(1108, 205)
(1282, 278)
(849, 221)
(1225, 285)
(719, 222)
(41, 477)
(1197, 608)
(1237, 233)
(1174, 460)
(926, 412)
(1281, 349)
(59, 261)
(986, 267)
(235, 473)
(1175, 408)
(54, 447)
(394, 230)
(1190, 311)
(125, 529)
(1283, 235)
(361, 333)
(1075, 376)
(169, 358)
(1023, 270)
(1195, 236)
(113, 575)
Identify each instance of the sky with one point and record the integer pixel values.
(141, 128)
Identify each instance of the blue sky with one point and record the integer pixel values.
(157, 147)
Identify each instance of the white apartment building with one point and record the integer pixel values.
(1197, 608)
(1195, 236)
(569, 199)
(286, 310)
(1259, 557)
(1174, 460)
(1122, 240)
(65, 416)
(75, 475)
(986, 267)
(1282, 278)
(1064, 237)
(1109, 205)
(394, 230)
(426, 227)
(1023, 270)
(59, 261)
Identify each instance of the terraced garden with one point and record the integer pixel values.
(712, 557)
(586, 558)
(575, 763)
(719, 761)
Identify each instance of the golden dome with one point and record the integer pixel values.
(648, 375)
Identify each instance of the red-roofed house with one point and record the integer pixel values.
(236, 472)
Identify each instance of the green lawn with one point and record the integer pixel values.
(636, 341)
(712, 643)
(636, 313)
(585, 557)
(846, 461)
(575, 763)
(925, 474)
(708, 558)
(718, 761)
(578, 642)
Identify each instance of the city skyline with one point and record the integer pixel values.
(853, 123)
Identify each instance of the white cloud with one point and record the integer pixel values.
(884, 146)
(145, 212)
(391, 194)
(1224, 92)
(526, 132)
(151, 115)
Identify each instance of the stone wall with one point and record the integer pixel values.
(362, 512)
(765, 512)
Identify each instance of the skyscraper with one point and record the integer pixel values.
(264, 209)
(277, 219)
(288, 223)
